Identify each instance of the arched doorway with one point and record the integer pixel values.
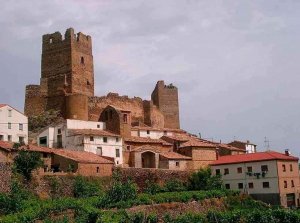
(148, 160)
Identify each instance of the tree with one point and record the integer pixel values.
(203, 180)
(25, 162)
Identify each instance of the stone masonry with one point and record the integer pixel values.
(67, 85)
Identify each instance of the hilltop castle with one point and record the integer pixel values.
(67, 85)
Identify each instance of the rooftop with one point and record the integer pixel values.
(253, 157)
(146, 140)
(174, 156)
(92, 132)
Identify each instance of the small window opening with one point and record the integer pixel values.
(82, 60)
(125, 118)
(177, 164)
(50, 40)
(97, 169)
(88, 83)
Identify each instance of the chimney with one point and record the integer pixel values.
(287, 152)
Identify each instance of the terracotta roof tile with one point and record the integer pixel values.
(6, 145)
(82, 157)
(92, 132)
(253, 157)
(146, 140)
(2, 105)
(174, 156)
(146, 148)
(195, 142)
(229, 147)
(178, 137)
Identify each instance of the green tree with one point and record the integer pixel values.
(204, 180)
(25, 162)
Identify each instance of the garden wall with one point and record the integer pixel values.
(160, 176)
(5, 177)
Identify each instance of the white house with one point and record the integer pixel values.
(268, 176)
(13, 125)
(153, 133)
(83, 136)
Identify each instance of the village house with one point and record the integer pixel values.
(62, 161)
(247, 146)
(13, 125)
(83, 136)
(268, 176)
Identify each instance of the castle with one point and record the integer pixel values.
(67, 85)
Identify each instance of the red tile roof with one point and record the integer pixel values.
(82, 157)
(6, 145)
(253, 157)
(195, 142)
(92, 132)
(178, 137)
(146, 148)
(157, 129)
(2, 105)
(174, 156)
(146, 140)
(229, 147)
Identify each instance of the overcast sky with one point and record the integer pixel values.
(236, 63)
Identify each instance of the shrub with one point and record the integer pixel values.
(25, 162)
(174, 185)
(86, 188)
(152, 187)
(203, 180)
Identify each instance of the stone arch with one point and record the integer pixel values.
(148, 159)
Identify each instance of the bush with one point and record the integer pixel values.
(84, 187)
(203, 180)
(25, 162)
(120, 191)
(152, 187)
(174, 185)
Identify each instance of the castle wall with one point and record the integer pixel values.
(34, 101)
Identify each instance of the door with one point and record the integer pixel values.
(290, 200)
(59, 141)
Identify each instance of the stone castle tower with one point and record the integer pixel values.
(67, 85)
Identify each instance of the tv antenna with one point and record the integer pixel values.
(267, 143)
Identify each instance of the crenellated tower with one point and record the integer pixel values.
(67, 72)
(165, 97)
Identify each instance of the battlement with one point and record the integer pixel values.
(56, 39)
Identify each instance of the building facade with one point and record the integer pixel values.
(13, 125)
(268, 176)
(83, 136)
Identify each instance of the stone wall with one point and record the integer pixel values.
(141, 175)
(34, 101)
(5, 177)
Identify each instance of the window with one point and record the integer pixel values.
(117, 139)
(9, 113)
(291, 167)
(97, 169)
(9, 138)
(240, 170)
(264, 168)
(21, 139)
(218, 172)
(99, 151)
(165, 133)
(45, 155)
(88, 83)
(226, 171)
(117, 152)
(177, 163)
(292, 183)
(58, 131)
(283, 168)
(227, 186)
(1, 137)
(125, 118)
(128, 147)
(91, 138)
(266, 185)
(285, 184)
(104, 139)
(249, 169)
(250, 185)
(21, 127)
(241, 185)
(82, 60)
(98, 126)
(9, 125)
(50, 40)
(43, 140)
(148, 132)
